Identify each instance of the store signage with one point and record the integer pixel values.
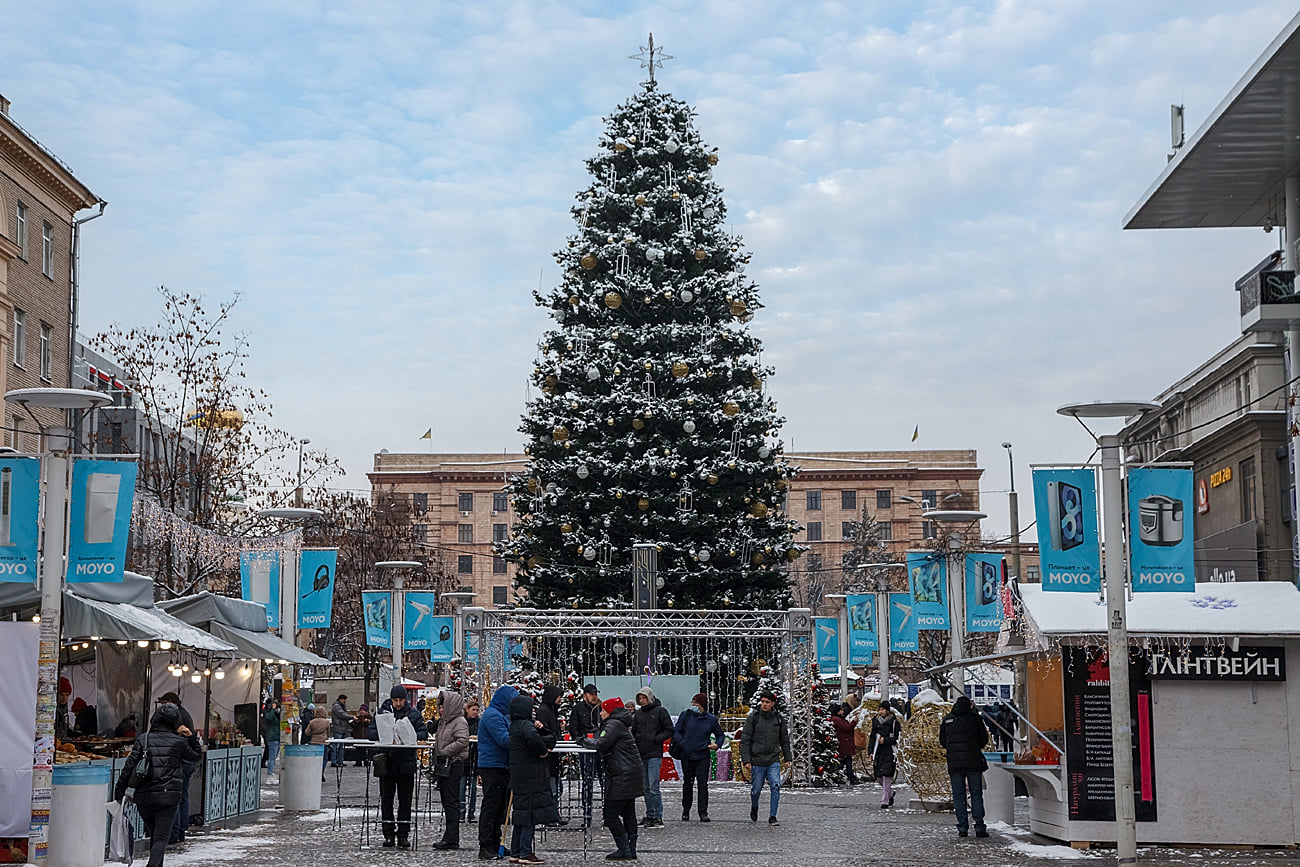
(20, 497)
(1089, 751)
(1163, 558)
(1202, 498)
(1069, 544)
(1221, 477)
(316, 587)
(903, 634)
(983, 586)
(862, 627)
(259, 581)
(927, 578)
(99, 519)
(1207, 663)
(827, 632)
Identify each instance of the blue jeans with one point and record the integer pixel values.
(974, 781)
(654, 804)
(272, 753)
(771, 774)
(521, 840)
(335, 753)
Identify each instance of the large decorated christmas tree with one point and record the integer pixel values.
(652, 424)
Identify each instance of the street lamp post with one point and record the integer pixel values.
(956, 587)
(1114, 572)
(1013, 502)
(880, 580)
(297, 491)
(54, 545)
(399, 608)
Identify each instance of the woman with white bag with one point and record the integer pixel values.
(156, 790)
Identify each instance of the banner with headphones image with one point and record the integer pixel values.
(1069, 544)
(20, 498)
(316, 587)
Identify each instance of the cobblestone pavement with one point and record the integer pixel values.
(818, 826)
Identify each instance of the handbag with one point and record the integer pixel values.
(676, 750)
(383, 765)
(143, 768)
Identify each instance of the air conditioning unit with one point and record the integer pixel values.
(464, 514)
(494, 513)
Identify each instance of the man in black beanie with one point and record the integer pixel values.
(402, 764)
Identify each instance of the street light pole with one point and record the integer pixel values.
(399, 608)
(1013, 502)
(956, 587)
(297, 492)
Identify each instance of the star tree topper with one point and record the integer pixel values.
(651, 57)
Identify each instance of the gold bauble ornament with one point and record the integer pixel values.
(782, 484)
(613, 300)
(573, 300)
(672, 474)
(588, 261)
(737, 308)
(618, 495)
(731, 465)
(640, 199)
(758, 558)
(560, 434)
(533, 485)
(758, 510)
(676, 195)
(700, 255)
(643, 504)
(730, 408)
(568, 528)
(680, 369)
(690, 401)
(793, 554)
(756, 384)
(638, 424)
(713, 159)
(649, 365)
(620, 146)
(690, 176)
(713, 478)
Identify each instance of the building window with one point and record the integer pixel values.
(499, 594)
(47, 250)
(846, 530)
(848, 500)
(422, 533)
(814, 562)
(930, 499)
(21, 236)
(1248, 512)
(465, 564)
(464, 532)
(20, 337)
(886, 531)
(498, 565)
(927, 530)
(14, 436)
(420, 503)
(1031, 574)
(499, 532)
(465, 501)
(500, 501)
(814, 531)
(814, 501)
(884, 498)
(47, 355)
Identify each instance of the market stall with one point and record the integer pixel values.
(1210, 704)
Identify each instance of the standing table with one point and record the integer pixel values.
(371, 814)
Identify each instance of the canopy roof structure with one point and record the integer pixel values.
(84, 618)
(1232, 171)
(241, 624)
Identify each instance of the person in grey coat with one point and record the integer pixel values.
(451, 749)
(651, 726)
(340, 727)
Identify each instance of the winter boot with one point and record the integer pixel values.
(631, 847)
(622, 853)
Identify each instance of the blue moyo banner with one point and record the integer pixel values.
(927, 577)
(903, 634)
(471, 648)
(1160, 530)
(1069, 544)
(423, 630)
(259, 581)
(20, 505)
(377, 615)
(983, 593)
(827, 631)
(862, 627)
(100, 519)
(316, 587)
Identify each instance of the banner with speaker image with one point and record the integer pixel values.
(983, 593)
(316, 587)
(903, 634)
(259, 581)
(1161, 548)
(377, 616)
(20, 504)
(1069, 544)
(927, 578)
(99, 519)
(862, 627)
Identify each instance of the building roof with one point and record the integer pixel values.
(1232, 171)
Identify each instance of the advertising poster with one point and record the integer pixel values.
(424, 631)
(377, 614)
(1089, 754)
(99, 519)
(983, 593)
(903, 634)
(1069, 541)
(259, 581)
(443, 631)
(862, 627)
(20, 503)
(927, 577)
(1162, 552)
(316, 587)
(827, 632)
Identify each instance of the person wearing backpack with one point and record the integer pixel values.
(156, 791)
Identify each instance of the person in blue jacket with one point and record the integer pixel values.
(403, 764)
(698, 733)
(494, 770)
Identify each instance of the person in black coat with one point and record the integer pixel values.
(624, 775)
(584, 720)
(402, 766)
(548, 714)
(885, 732)
(169, 744)
(699, 734)
(963, 734)
(530, 784)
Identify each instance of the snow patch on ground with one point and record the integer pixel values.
(1048, 851)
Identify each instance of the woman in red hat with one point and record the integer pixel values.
(624, 780)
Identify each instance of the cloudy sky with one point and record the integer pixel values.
(932, 193)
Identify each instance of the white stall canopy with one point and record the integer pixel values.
(242, 624)
(83, 618)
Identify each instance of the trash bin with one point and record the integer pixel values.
(999, 794)
(301, 778)
(78, 818)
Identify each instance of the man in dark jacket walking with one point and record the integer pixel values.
(764, 744)
(402, 767)
(651, 727)
(624, 774)
(169, 744)
(340, 727)
(695, 728)
(584, 720)
(963, 734)
(494, 770)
